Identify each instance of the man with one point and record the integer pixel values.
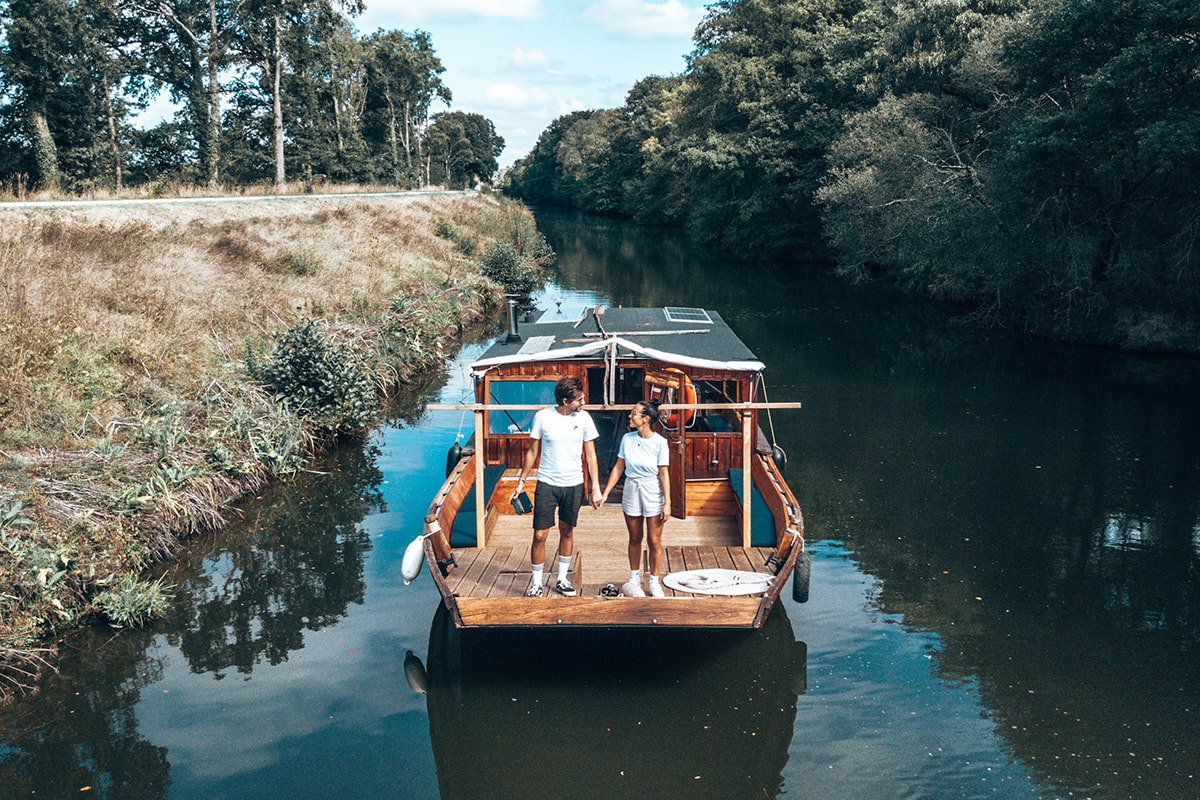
(557, 435)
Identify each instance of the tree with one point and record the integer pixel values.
(464, 147)
(324, 90)
(37, 32)
(190, 42)
(268, 29)
(71, 77)
(402, 80)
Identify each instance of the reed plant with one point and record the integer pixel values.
(159, 360)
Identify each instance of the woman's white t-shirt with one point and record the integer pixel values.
(643, 457)
(562, 437)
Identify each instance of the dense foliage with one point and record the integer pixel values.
(268, 90)
(1034, 160)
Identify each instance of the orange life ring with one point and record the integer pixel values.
(687, 394)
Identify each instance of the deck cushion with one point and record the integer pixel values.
(462, 534)
(762, 521)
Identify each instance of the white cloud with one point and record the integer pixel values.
(645, 19)
(528, 59)
(447, 10)
(514, 97)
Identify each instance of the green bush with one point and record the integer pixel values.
(321, 381)
(503, 264)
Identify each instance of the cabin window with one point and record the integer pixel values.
(517, 393)
(628, 385)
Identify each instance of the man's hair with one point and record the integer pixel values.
(567, 388)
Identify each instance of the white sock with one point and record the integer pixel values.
(563, 563)
(537, 573)
(654, 579)
(635, 576)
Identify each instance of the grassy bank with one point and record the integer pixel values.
(157, 361)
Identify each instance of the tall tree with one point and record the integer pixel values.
(464, 147)
(324, 88)
(70, 77)
(269, 29)
(191, 43)
(403, 79)
(38, 36)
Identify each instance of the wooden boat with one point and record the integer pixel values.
(735, 517)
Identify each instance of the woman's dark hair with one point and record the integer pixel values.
(650, 409)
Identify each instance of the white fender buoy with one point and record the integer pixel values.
(414, 555)
(414, 673)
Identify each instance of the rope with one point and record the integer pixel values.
(771, 420)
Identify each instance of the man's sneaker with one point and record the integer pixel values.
(564, 587)
(535, 590)
(656, 589)
(632, 588)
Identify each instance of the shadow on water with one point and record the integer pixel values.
(532, 714)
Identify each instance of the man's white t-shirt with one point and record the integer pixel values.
(562, 437)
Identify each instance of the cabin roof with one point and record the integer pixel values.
(695, 336)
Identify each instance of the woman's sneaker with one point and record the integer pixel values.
(565, 588)
(632, 588)
(656, 589)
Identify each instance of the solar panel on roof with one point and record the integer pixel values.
(562, 314)
(536, 344)
(677, 314)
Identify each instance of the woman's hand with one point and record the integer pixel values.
(666, 511)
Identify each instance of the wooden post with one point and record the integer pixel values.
(480, 500)
(747, 480)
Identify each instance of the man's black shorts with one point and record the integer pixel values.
(567, 500)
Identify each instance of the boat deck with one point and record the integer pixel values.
(489, 584)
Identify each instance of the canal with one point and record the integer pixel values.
(1005, 597)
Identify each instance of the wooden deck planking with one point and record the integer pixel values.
(513, 577)
(489, 585)
(492, 573)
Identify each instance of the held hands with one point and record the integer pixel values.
(598, 497)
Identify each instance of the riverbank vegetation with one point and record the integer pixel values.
(279, 94)
(160, 360)
(1033, 160)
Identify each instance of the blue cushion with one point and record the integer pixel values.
(762, 521)
(462, 533)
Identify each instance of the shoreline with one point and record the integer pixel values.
(144, 351)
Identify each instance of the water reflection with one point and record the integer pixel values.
(613, 714)
(243, 598)
(294, 566)
(80, 732)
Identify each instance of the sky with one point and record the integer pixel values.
(524, 63)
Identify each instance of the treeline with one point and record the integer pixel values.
(268, 90)
(1036, 160)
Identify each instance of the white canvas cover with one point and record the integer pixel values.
(602, 345)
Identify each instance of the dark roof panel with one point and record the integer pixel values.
(686, 335)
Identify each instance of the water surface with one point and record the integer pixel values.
(1003, 603)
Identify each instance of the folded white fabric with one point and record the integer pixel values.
(729, 582)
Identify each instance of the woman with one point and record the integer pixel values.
(646, 498)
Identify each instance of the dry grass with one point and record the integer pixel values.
(128, 418)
